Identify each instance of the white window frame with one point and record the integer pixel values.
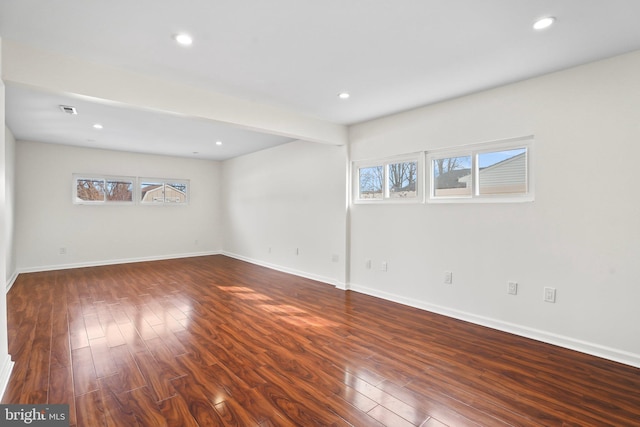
(104, 178)
(418, 158)
(474, 150)
(164, 182)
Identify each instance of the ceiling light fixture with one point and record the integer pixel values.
(544, 23)
(183, 39)
(98, 126)
(218, 143)
(343, 95)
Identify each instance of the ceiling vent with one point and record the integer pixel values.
(68, 109)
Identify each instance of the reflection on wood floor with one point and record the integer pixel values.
(212, 341)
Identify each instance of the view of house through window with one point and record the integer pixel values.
(96, 190)
(490, 171)
(502, 172)
(448, 172)
(157, 192)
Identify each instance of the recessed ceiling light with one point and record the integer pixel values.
(218, 143)
(343, 95)
(543, 23)
(183, 39)
(98, 126)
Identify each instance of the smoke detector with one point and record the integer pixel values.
(69, 109)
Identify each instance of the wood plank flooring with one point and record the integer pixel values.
(213, 341)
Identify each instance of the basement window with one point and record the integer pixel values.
(489, 172)
(395, 179)
(164, 192)
(92, 189)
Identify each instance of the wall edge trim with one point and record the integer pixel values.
(12, 280)
(5, 374)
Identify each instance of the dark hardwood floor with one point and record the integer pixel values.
(214, 341)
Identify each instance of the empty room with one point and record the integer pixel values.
(304, 213)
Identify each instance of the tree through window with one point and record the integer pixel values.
(98, 190)
(392, 179)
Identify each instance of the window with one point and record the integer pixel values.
(449, 175)
(157, 191)
(101, 190)
(502, 172)
(499, 171)
(119, 190)
(396, 179)
(371, 179)
(402, 179)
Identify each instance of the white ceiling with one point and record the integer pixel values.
(296, 55)
(34, 115)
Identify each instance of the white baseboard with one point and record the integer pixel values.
(115, 261)
(12, 280)
(523, 331)
(536, 334)
(288, 270)
(5, 373)
(512, 328)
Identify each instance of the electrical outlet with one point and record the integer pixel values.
(512, 288)
(550, 294)
(63, 251)
(448, 277)
(367, 264)
(383, 266)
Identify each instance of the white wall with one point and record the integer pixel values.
(10, 157)
(47, 220)
(289, 197)
(581, 235)
(6, 365)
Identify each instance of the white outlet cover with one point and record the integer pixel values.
(550, 294)
(512, 288)
(448, 277)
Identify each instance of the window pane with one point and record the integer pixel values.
(90, 190)
(120, 191)
(371, 181)
(452, 176)
(152, 192)
(175, 192)
(502, 172)
(402, 179)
